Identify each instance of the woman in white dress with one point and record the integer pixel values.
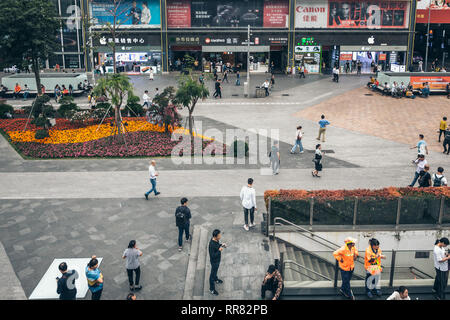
(145, 16)
(150, 76)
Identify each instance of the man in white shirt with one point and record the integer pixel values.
(400, 294)
(298, 140)
(441, 266)
(420, 163)
(248, 198)
(438, 178)
(266, 85)
(153, 174)
(146, 99)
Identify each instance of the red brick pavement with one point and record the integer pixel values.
(399, 120)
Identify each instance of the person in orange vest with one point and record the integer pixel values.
(346, 256)
(17, 90)
(372, 264)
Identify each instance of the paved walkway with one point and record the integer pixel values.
(11, 289)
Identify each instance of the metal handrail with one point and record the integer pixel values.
(307, 269)
(412, 269)
(335, 246)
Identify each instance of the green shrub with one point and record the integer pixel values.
(41, 134)
(4, 108)
(106, 106)
(238, 147)
(67, 107)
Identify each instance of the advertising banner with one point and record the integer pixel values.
(311, 13)
(276, 14)
(346, 56)
(375, 14)
(436, 82)
(439, 11)
(129, 14)
(228, 13)
(179, 13)
(382, 57)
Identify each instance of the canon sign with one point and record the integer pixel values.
(301, 9)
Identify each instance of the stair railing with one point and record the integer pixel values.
(306, 268)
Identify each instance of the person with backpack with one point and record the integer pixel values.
(317, 161)
(182, 220)
(298, 141)
(66, 284)
(132, 254)
(438, 179)
(420, 163)
(425, 177)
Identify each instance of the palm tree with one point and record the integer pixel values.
(116, 88)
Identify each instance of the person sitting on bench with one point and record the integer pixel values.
(386, 90)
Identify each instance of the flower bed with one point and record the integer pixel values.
(417, 205)
(67, 139)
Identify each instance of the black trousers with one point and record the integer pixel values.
(440, 133)
(252, 215)
(272, 287)
(213, 275)
(97, 295)
(446, 145)
(440, 283)
(218, 93)
(181, 230)
(130, 275)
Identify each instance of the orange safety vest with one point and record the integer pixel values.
(372, 267)
(347, 256)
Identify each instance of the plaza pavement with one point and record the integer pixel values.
(55, 208)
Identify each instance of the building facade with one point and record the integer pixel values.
(318, 34)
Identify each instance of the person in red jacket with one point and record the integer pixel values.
(346, 256)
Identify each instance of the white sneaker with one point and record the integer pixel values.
(301, 151)
(252, 225)
(246, 227)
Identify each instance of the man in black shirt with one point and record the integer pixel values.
(66, 284)
(182, 220)
(425, 177)
(215, 252)
(218, 88)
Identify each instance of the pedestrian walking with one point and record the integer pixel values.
(298, 141)
(372, 264)
(225, 75)
(66, 284)
(420, 68)
(302, 71)
(94, 278)
(146, 99)
(346, 256)
(272, 82)
(266, 86)
(182, 220)
(442, 127)
(274, 155)
(446, 143)
(153, 174)
(358, 67)
(272, 282)
(422, 147)
(201, 79)
(335, 74)
(400, 294)
(425, 177)
(150, 74)
(215, 249)
(318, 154)
(323, 123)
(441, 265)
(238, 78)
(248, 199)
(218, 92)
(420, 163)
(439, 180)
(131, 256)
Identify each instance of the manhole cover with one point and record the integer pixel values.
(368, 94)
(285, 94)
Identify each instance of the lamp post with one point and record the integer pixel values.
(428, 37)
(248, 59)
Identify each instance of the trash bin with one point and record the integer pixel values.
(260, 92)
(245, 89)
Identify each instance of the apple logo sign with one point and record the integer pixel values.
(371, 40)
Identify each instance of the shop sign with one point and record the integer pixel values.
(311, 13)
(185, 40)
(128, 40)
(439, 11)
(301, 49)
(121, 40)
(382, 57)
(346, 56)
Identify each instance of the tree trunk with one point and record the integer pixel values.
(37, 75)
(118, 124)
(191, 132)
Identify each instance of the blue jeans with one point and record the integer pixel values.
(153, 189)
(416, 176)
(299, 144)
(346, 276)
(181, 230)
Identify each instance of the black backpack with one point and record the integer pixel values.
(437, 181)
(180, 216)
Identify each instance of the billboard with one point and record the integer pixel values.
(368, 14)
(276, 14)
(311, 13)
(179, 13)
(437, 82)
(439, 11)
(130, 14)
